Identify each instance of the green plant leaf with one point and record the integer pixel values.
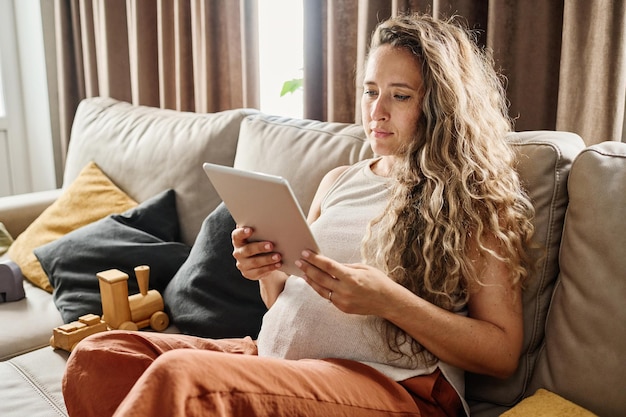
(291, 86)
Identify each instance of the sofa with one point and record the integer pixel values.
(574, 314)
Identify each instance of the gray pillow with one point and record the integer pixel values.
(145, 235)
(208, 296)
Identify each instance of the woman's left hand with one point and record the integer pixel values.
(352, 288)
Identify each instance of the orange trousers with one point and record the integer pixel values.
(152, 374)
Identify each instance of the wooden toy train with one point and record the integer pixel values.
(120, 311)
(66, 337)
(140, 310)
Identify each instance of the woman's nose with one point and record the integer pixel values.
(378, 111)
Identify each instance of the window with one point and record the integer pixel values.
(3, 112)
(6, 172)
(26, 157)
(281, 40)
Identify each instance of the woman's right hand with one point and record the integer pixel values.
(255, 260)
(259, 262)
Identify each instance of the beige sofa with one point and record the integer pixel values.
(575, 319)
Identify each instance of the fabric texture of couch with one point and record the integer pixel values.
(574, 319)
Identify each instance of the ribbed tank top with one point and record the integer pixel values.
(301, 324)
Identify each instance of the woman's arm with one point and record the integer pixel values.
(488, 341)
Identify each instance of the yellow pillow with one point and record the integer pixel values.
(544, 403)
(90, 197)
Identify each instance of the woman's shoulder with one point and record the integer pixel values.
(334, 174)
(329, 180)
(331, 176)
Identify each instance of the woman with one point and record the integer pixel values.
(426, 254)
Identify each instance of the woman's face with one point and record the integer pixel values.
(392, 99)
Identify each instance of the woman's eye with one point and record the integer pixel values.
(401, 97)
(370, 93)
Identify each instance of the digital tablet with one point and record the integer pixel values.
(267, 204)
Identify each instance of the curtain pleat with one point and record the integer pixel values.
(249, 24)
(143, 52)
(174, 49)
(86, 62)
(218, 43)
(592, 89)
(112, 49)
(526, 42)
(314, 73)
(72, 69)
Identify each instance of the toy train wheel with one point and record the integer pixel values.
(128, 325)
(159, 321)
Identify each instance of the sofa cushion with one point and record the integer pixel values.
(146, 150)
(544, 160)
(583, 356)
(145, 235)
(36, 309)
(209, 297)
(302, 151)
(31, 384)
(90, 197)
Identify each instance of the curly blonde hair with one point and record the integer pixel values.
(456, 185)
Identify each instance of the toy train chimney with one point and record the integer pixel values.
(143, 277)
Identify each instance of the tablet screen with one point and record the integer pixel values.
(267, 204)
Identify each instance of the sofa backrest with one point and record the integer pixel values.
(544, 161)
(301, 151)
(146, 150)
(583, 356)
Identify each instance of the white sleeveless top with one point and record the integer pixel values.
(301, 324)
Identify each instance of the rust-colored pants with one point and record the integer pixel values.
(152, 374)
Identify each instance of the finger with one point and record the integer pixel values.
(320, 281)
(257, 266)
(258, 273)
(330, 267)
(321, 290)
(240, 235)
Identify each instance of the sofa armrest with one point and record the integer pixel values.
(19, 211)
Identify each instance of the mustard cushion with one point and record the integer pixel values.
(544, 403)
(90, 197)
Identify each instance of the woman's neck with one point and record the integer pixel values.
(383, 166)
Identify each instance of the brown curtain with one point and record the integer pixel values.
(565, 61)
(190, 55)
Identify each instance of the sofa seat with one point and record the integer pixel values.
(33, 379)
(28, 322)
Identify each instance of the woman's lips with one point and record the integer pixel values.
(380, 134)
